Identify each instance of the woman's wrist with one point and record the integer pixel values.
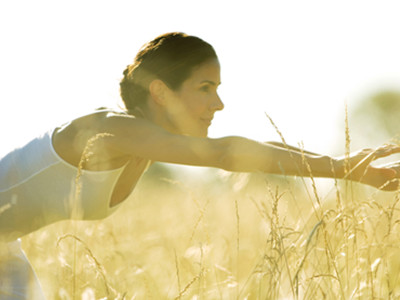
(383, 178)
(338, 167)
(326, 166)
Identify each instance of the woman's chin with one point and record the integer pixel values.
(198, 133)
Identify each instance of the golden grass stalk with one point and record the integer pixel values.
(98, 267)
(177, 271)
(186, 288)
(75, 204)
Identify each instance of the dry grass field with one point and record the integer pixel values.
(216, 235)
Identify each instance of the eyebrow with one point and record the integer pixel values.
(209, 82)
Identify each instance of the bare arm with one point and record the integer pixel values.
(292, 148)
(129, 138)
(141, 138)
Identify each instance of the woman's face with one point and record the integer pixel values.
(191, 108)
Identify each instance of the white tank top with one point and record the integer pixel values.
(38, 188)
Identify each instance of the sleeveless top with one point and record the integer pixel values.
(37, 188)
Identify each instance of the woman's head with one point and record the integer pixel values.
(170, 58)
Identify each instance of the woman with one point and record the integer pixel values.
(88, 167)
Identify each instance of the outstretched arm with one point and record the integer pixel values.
(285, 146)
(144, 139)
(356, 166)
(289, 160)
(140, 138)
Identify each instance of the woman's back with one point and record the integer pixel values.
(40, 184)
(89, 132)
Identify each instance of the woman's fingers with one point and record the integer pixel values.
(386, 150)
(393, 183)
(366, 156)
(383, 178)
(392, 165)
(390, 185)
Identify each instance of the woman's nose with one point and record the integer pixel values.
(217, 104)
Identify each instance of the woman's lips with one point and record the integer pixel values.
(207, 121)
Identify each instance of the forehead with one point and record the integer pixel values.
(207, 71)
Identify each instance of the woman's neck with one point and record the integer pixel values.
(139, 113)
(153, 115)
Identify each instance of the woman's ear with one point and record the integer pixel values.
(158, 91)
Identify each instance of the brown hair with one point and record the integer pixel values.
(170, 57)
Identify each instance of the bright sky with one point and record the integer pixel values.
(298, 61)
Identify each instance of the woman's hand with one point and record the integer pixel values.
(358, 167)
(382, 176)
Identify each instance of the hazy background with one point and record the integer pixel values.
(298, 61)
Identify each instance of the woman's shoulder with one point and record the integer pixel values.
(96, 118)
(103, 112)
(70, 140)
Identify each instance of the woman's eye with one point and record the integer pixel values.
(205, 88)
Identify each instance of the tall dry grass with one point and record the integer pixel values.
(228, 236)
(210, 242)
(264, 241)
